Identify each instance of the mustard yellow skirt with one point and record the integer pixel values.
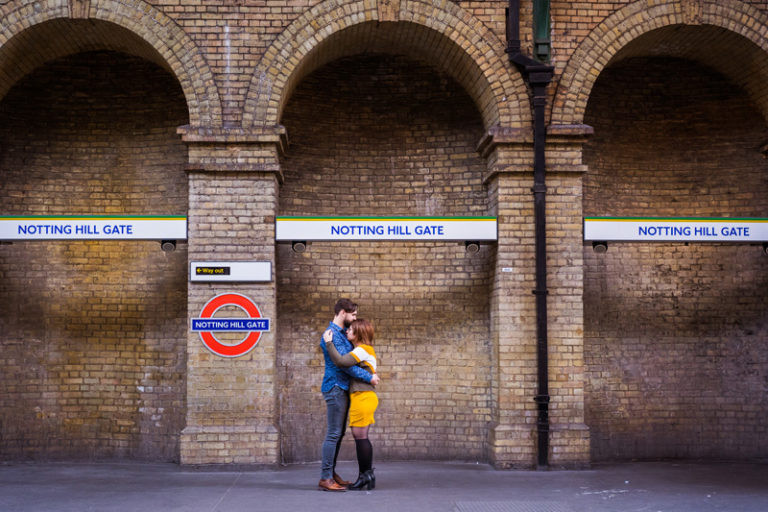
(362, 405)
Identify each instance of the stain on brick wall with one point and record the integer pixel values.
(386, 136)
(92, 359)
(676, 341)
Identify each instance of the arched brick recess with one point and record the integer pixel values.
(440, 33)
(671, 327)
(32, 33)
(689, 29)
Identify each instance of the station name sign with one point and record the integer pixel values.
(230, 324)
(93, 228)
(385, 228)
(253, 325)
(675, 229)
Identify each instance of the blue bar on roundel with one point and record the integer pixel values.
(230, 324)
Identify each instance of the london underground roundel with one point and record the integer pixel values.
(253, 324)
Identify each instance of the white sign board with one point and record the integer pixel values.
(93, 228)
(395, 228)
(240, 271)
(675, 230)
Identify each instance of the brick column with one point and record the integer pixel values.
(512, 438)
(569, 435)
(232, 413)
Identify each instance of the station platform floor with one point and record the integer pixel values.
(400, 486)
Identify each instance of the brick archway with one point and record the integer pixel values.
(731, 25)
(132, 26)
(440, 33)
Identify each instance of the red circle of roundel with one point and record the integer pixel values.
(230, 299)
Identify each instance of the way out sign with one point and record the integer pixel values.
(253, 324)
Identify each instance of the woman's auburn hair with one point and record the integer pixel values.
(363, 330)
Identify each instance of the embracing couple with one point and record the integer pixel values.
(348, 390)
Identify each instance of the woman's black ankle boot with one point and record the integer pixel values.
(362, 481)
(371, 479)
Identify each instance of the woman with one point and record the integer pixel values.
(363, 399)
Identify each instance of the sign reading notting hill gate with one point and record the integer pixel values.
(253, 325)
(90, 227)
(675, 229)
(385, 228)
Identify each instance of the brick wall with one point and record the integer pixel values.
(409, 146)
(676, 335)
(387, 136)
(92, 359)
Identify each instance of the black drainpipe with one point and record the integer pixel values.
(539, 76)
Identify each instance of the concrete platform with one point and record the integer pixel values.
(401, 486)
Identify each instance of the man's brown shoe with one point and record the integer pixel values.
(341, 481)
(330, 485)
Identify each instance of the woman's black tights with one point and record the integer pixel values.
(364, 448)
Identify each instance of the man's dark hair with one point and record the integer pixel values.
(345, 304)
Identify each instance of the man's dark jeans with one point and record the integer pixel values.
(337, 403)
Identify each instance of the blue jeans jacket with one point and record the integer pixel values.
(335, 376)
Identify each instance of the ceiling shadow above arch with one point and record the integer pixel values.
(724, 36)
(456, 44)
(30, 37)
(727, 52)
(50, 40)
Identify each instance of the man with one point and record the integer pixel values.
(335, 390)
